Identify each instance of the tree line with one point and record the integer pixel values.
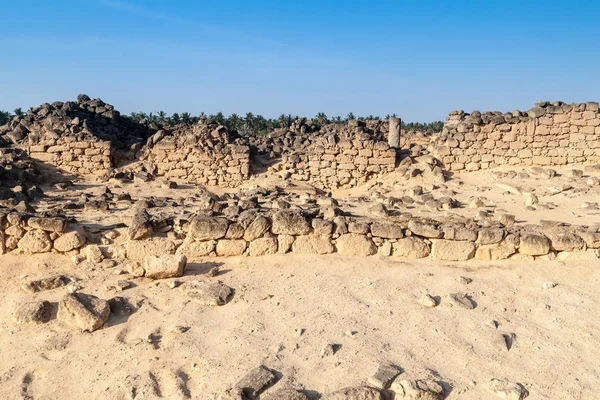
(250, 123)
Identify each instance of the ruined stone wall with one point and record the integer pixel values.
(228, 166)
(330, 164)
(548, 134)
(265, 232)
(32, 234)
(79, 156)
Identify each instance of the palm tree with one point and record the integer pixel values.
(321, 119)
(350, 116)
(18, 112)
(186, 117)
(162, 116)
(283, 121)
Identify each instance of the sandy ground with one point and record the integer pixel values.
(170, 347)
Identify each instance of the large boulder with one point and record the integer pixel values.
(71, 240)
(47, 224)
(35, 241)
(140, 226)
(208, 228)
(387, 231)
(424, 229)
(165, 266)
(450, 250)
(354, 244)
(312, 244)
(566, 241)
(263, 246)
(534, 244)
(231, 247)
(194, 250)
(138, 250)
(497, 251)
(411, 247)
(290, 223)
(257, 228)
(256, 381)
(490, 236)
(83, 311)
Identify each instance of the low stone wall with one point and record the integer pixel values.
(228, 166)
(31, 234)
(548, 134)
(329, 164)
(83, 157)
(254, 233)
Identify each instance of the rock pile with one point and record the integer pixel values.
(80, 137)
(548, 134)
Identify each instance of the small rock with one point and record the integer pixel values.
(422, 389)
(549, 285)
(427, 301)
(285, 394)
(461, 300)
(94, 254)
(214, 271)
(329, 350)
(507, 390)
(48, 283)
(354, 393)
(465, 280)
(256, 381)
(207, 293)
(385, 374)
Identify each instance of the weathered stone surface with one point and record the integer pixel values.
(583, 255)
(285, 394)
(35, 312)
(256, 381)
(411, 247)
(165, 266)
(257, 228)
(263, 246)
(93, 254)
(565, 241)
(208, 293)
(354, 244)
(35, 241)
(47, 283)
(461, 300)
(71, 240)
(140, 226)
(194, 250)
(138, 250)
(47, 224)
(388, 231)
(83, 311)
(490, 236)
(208, 228)
(312, 244)
(507, 390)
(354, 393)
(418, 389)
(285, 243)
(449, 250)
(385, 374)
(231, 247)
(534, 244)
(498, 251)
(290, 223)
(424, 229)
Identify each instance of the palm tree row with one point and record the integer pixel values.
(250, 123)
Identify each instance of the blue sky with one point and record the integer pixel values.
(418, 59)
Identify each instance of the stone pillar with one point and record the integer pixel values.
(394, 133)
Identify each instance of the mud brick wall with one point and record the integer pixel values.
(548, 134)
(224, 166)
(346, 163)
(79, 156)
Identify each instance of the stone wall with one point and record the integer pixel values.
(204, 153)
(548, 134)
(265, 232)
(80, 156)
(330, 163)
(32, 234)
